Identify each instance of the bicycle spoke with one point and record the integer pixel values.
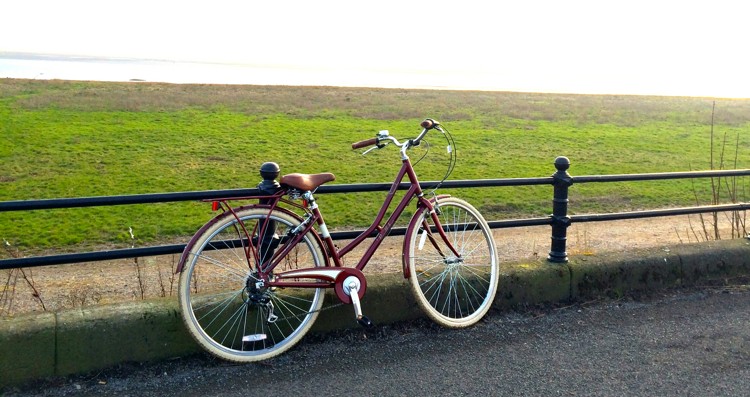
(235, 317)
(220, 264)
(234, 294)
(228, 244)
(221, 307)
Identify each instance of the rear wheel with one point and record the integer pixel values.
(225, 308)
(454, 290)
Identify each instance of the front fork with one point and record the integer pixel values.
(428, 234)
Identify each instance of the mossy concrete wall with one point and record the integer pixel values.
(78, 341)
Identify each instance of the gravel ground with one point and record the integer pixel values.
(692, 342)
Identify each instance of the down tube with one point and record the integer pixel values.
(375, 226)
(383, 233)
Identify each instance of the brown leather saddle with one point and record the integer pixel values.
(306, 182)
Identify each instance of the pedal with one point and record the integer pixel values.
(365, 322)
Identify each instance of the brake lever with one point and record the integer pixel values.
(378, 146)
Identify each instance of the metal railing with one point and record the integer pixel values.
(559, 220)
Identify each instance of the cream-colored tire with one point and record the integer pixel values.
(455, 292)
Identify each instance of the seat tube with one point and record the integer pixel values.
(324, 233)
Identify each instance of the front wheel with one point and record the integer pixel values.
(455, 291)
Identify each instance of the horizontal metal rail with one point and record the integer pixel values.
(558, 220)
(618, 216)
(79, 202)
(659, 176)
(125, 253)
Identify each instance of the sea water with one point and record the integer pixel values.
(49, 67)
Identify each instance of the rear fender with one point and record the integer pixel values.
(189, 247)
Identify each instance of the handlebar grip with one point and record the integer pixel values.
(429, 124)
(365, 143)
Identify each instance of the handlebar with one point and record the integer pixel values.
(427, 124)
(365, 143)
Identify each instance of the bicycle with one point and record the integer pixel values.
(253, 278)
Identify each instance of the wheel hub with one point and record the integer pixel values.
(452, 261)
(255, 291)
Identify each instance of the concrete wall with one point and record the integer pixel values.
(78, 341)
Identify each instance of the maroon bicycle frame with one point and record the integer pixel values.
(271, 203)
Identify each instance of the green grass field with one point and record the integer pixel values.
(73, 139)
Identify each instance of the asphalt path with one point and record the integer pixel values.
(678, 343)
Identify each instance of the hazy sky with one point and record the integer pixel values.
(650, 47)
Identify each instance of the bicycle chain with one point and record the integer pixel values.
(314, 311)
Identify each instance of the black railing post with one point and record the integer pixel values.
(269, 171)
(560, 220)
